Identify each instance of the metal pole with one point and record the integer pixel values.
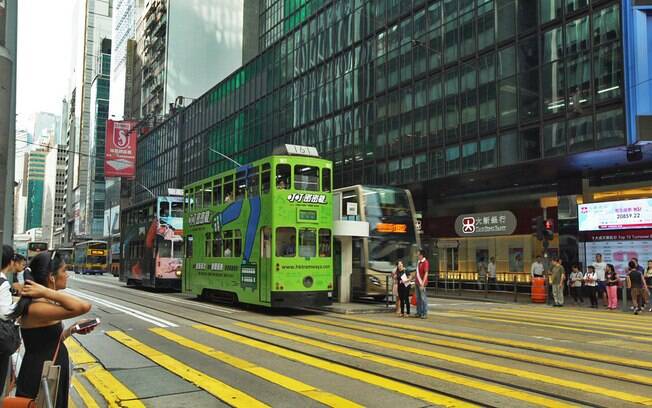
(515, 291)
(226, 157)
(486, 286)
(387, 291)
(624, 307)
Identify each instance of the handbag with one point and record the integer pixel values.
(48, 389)
(413, 299)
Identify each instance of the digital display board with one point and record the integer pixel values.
(307, 215)
(615, 215)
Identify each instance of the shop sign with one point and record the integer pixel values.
(485, 224)
(307, 198)
(615, 215)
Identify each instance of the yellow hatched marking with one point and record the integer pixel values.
(580, 321)
(471, 363)
(85, 396)
(291, 384)
(224, 392)
(418, 369)
(609, 316)
(509, 343)
(548, 326)
(111, 389)
(391, 385)
(595, 313)
(565, 365)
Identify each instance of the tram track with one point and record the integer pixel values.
(135, 299)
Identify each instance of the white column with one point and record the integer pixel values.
(347, 269)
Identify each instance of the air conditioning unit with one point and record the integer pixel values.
(567, 207)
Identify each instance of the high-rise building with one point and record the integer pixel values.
(100, 88)
(478, 107)
(92, 22)
(47, 128)
(35, 183)
(183, 48)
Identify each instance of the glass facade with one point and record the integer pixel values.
(400, 91)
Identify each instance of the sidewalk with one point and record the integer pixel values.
(355, 308)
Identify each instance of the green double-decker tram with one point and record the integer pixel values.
(262, 233)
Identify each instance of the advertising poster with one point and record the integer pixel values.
(615, 215)
(516, 259)
(619, 253)
(120, 150)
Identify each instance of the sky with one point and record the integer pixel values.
(43, 69)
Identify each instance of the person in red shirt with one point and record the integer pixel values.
(421, 281)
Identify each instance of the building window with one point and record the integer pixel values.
(469, 157)
(549, 10)
(530, 145)
(508, 148)
(554, 139)
(488, 152)
(610, 129)
(608, 71)
(453, 160)
(606, 24)
(580, 134)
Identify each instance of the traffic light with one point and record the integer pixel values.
(538, 227)
(548, 231)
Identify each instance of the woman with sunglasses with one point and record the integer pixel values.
(42, 328)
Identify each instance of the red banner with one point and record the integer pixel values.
(120, 160)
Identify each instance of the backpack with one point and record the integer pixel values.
(9, 333)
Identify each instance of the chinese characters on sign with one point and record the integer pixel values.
(120, 149)
(615, 215)
(199, 218)
(307, 198)
(485, 224)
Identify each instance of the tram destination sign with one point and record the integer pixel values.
(487, 224)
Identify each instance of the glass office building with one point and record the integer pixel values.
(450, 98)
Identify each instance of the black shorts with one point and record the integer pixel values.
(602, 286)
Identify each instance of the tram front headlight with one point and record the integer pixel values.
(178, 273)
(308, 281)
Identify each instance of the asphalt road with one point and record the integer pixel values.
(168, 350)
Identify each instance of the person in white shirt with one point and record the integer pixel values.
(9, 261)
(590, 283)
(576, 279)
(537, 268)
(491, 271)
(601, 273)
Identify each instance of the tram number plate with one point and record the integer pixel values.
(248, 276)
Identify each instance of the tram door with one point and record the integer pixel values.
(265, 267)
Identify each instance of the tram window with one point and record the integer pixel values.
(177, 249)
(237, 243)
(307, 243)
(241, 185)
(265, 177)
(283, 176)
(199, 202)
(228, 244)
(252, 182)
(217, 245)
(187, 201)
(217, 192)
(189, 246)
(324, 242)
(286, 241)
(165, 248)
(177, 209)
(164, 209)
(266, 243)
(207, 195)
(306, 178)
(207, 244)
(228, 189)
(325, 180)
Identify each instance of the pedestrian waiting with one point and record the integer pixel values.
(648, 282)
(636, 283)
(558, 276)
(575, 284)
(591, 286)
(612, 287)
(10, 337)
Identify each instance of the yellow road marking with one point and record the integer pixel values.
(359, 375)
(596, 313)
(605, 316)
(565, 365)
(567, 320)
(556, 326)
(71, 403)
(224, 392)
(639, 399)
(509, 343)
(418, 369)
(111, 389)
(291, 384)
(85, 396)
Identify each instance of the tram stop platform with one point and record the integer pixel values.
(355, 308)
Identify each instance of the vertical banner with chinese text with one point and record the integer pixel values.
(120, 160)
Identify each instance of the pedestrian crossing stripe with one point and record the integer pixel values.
(359, 375)
(87, 399)
(635, 363)
(222, 391)
(116, 394)
(291, 384)
(565, 365)
(638, 399)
